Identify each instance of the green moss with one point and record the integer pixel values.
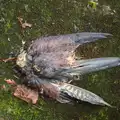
(50, 17)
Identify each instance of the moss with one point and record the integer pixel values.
(49, 17)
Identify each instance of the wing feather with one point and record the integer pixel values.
(53, 53)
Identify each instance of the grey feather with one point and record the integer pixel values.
(91, 65)
(82, 94)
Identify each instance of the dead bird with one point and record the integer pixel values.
(49, 63)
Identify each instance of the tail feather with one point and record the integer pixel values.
(82, 94)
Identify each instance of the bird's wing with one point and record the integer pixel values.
(68, 90)
(64, 92)
(91, 65)
(63, 43)
(53, 53)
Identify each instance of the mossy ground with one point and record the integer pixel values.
(50, 17)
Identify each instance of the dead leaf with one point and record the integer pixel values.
(25, 24)
(11, 82)
(7, 59)
(26, 94)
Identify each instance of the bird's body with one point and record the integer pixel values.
(49, 63)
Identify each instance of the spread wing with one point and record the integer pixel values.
(62, 43)
(54, 55)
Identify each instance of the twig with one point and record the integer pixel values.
(8, 59)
